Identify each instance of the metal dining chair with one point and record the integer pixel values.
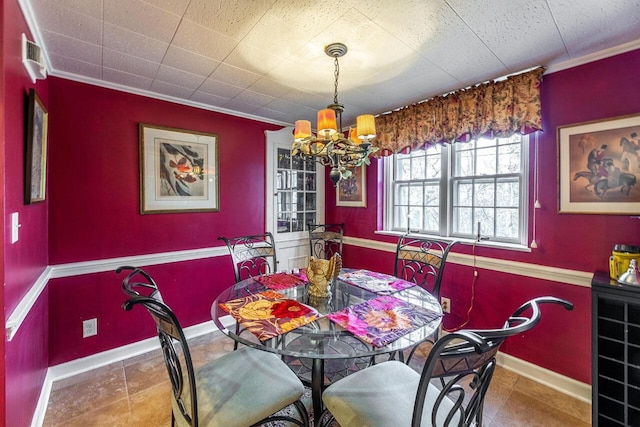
(325, 240)
(252, 255)
(422, 261)
(139, 283)
(246, 387)
(393, 394)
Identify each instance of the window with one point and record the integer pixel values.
(452, 190)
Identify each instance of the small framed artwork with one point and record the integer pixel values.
(178, 170)
(599, 166)
(352, 191)
(35, 170)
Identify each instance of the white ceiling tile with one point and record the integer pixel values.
(273, 114)
(237, 105)
(230, 18)
(68, 22)
(133, 43)
(126, 79)
(254, 98)
(252, 59)
(615, 22)
(216, 87)
(310, 100)
(73, 66)
(203, 41)
(61, 44)
(270, 87)
(234, 76)
(91, 8)
(129, 64)
(189, 61)
(177, 7)
(523, 26)
(171, 90)
(179, 77)
(142, 17)
(208, 98)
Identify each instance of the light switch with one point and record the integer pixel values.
(15, 225)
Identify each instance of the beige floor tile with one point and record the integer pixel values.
(148, 372)
(116, 414)
(152, 407)
(65, 382)
(561, 401)
(97, 390)
(520, 410)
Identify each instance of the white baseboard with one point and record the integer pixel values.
(561, 383)
(78, 366)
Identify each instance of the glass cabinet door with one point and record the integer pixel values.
(296, 192)
(295, 197)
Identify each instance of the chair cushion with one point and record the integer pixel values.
(243, 387)
(382, 395)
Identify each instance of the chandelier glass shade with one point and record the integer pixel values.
(330, 146)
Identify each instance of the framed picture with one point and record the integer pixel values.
(178, 170)
(599, 166)
(353, 190)
(35, 170)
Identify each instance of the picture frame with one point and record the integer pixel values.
(599, 166)
(352, 191)
(178, 170)
(35, 165)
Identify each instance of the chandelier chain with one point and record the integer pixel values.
(336, 74)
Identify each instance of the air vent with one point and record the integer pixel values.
(33, 60)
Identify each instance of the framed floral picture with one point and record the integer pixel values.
(599, 166)
(352, 191)
(35, 170)
(178, 170)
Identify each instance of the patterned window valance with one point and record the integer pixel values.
(493, 109)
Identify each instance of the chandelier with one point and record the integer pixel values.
(329, 146)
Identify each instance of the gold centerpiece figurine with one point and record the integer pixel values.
(320, 273)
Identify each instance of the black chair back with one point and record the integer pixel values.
(465, 362)
(325, 240)
(177, 358)
(422, 261)
(139, 283)
(252, 255)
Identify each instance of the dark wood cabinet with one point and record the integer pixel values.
(616, 352)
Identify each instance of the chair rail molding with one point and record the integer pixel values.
(98, 266)
(562, 275)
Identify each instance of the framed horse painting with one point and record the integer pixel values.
(599, 166)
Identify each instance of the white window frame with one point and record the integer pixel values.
(447, 197)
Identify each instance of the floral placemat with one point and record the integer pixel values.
(379, 283)
(269, 314)
(383, 319)
(279, 281)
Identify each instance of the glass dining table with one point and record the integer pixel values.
(334, 336)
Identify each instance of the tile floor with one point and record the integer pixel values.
(136, 392)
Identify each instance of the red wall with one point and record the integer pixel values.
(95, 189)
(24, 359)
(94, 212)
(562, 341)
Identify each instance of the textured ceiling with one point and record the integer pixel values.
(265, 58)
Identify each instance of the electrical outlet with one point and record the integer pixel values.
(446, 304)
(89, 327)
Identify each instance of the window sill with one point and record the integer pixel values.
(482, 243)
